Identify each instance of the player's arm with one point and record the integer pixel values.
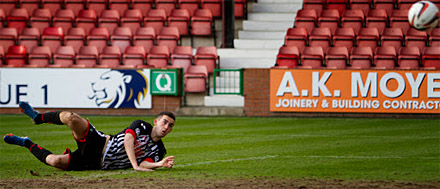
(167, 162)
(129, 149)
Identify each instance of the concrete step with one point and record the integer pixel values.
(280, 1)
(262, 16)
(267, 25)
(258, 44)
(210, 111)
(247, 34)
(277, 7)
(230, 53)
(247, 62)
(224, 100)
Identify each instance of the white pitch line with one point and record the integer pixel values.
(225, 160)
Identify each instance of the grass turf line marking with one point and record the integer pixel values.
(312, 135)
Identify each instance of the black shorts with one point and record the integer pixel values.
(89, 153)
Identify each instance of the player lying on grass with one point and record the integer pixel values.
(138, 146)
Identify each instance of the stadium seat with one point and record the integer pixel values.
(39, 57)
(167, 5)
(409, 58)
(202, 23)
(16, 56)
(144, 5)
(405, 4)
(296, 37)
(87, 57)
(134, 57)
(2, 56)
(74, 5)
(7, 5)
(368, 37)
(52, 37)
(288, 56)
(169, 37)
(306, 18)
(121, 38)
(385, 57)
(145, 37)
(361, 58)
(98, 37)
(110, 57)
(29, 37)
(364, 5)
(392, 37)
(8, 37)
(182, 57)
(317, 5)
(63, 57)
(52, 5)
(337, 58)
(195, 79)
(40, 19)
(96, 5)
(434, 38)
(339, 5)
(377, 18)
(75, 37)
(190, 5)
(353, 18)
(320, 37)
(208, 57)
(329, 18)
(415, 38)
(215, 6)
(17, 18)
(132, 18)
(312, 58)
(64, 19)
(431, 58)
(2, 17)
(156, 19)
(87, 19)
(158, 56)
(387, 5)
(118, 5)
(240, 8)
(399, 19)
(344, 37)
(109, 19)
(179, 18)
(29, 5)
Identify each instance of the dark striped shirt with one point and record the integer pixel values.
(145, 149)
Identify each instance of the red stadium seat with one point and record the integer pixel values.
(75, 37)
(109, 19)
(387, 5)
(330, 19)
(215, 6)
(312, 58)
(337, 58)
(190, 5)
(64, 19)
(134, 57)
(8, 37)
(2, 17)
(431, 58)
(87, 19)
(63, 57)
(364, 5)
(320, 37)
(39, 57)
(132, 18)
(288, 56)
(28, 5)
(434, 38)
(158, 56)
(16, 56)
(98, 37)
(392, 37)
(202, 23)
(182, 57)
(296, 37)
(353, 18)
(368, 37)
(118, 5)
(2, 56)
(144, 5)
(344, 37)
(399, 19)
(306, 18)
(74, 5)
(121, 38)
(145, 37)
(179, 18)
(7, 5)
(339, 5)
(415, 38)
(409, 58)
(167, 5)
(317, 5)
(405, 4)
(196, 79)
(41, 18)
(52, 5)
(29, 37)
(169, 37)
(240, 8)
(156, 19)
(97, 5)
(377, 18)
(87, 57)
(208, 57)
(17, 18)
(52, 37)
(110, 57)
(385, 58)
(361, 58)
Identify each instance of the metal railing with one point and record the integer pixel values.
(228, 81)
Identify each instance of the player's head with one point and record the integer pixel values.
(164, 124)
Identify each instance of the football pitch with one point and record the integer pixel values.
(214, 151)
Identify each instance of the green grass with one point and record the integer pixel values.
(279, 148)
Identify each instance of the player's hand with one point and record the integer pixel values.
(168, 162)
(141, 169)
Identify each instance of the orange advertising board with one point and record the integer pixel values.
(363, 91)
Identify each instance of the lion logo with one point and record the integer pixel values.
(120, 89)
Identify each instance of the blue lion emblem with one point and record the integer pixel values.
(120, 89)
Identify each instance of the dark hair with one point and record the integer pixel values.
(167, 113)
